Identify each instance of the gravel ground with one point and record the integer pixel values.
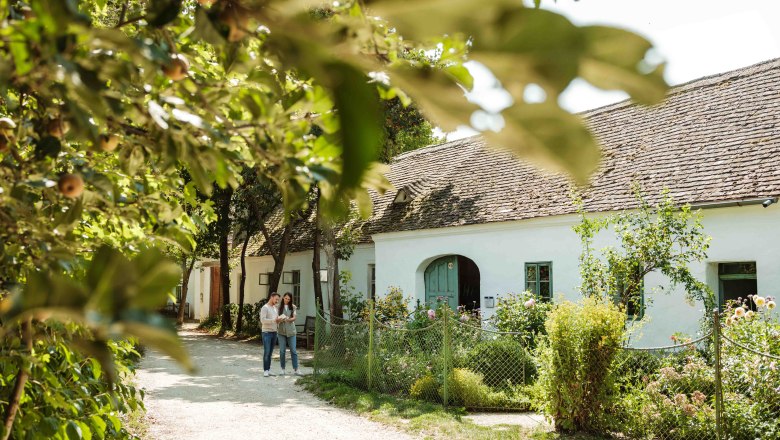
(229, 399)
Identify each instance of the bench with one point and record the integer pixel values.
(307, 332)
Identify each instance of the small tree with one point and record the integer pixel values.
(663, 237)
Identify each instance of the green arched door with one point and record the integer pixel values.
(441, 281)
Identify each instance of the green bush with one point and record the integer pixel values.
(398, 373)
(392, 308)
(675, 402)
(503, 362)
(467, 388)
(576, 361)
(426, 388)
(513, 315)
(67, 391)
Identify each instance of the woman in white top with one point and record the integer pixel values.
(287, 332)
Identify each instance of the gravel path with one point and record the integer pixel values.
(229, 399)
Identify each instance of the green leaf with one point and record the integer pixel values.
(98, 425)
(73, 430)
(48, 146)
(360, 121)
(155, 331)
(615, 60)
(550, 137)
(437, 95)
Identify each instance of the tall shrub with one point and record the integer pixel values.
(523, 314)
(576, 362)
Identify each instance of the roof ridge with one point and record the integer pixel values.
(433, 147)
(693, 84)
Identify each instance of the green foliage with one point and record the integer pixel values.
(515, 314)
(576, 361)
(354, 303)
(674, 402)
(664, 238)
(392, 308)
(68, 392)
(467, 388)
(425, 388)
(406, 129)
(750, 379)
(503, 362)
(252, 325)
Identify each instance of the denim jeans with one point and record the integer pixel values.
(269, 340)
(284, 342)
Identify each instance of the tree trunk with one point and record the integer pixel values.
(329, 239)
(279, 255)
(185, 284)
(315, 261)
(223, 214)
(21, 380)
(242, 283)
(338, 309)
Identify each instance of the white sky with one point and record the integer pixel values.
(696, 38)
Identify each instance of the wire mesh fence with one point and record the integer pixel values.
(724, 385)
(665, 392)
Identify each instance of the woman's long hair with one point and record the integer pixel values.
(281, 304)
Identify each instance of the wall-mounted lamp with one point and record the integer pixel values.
(490, 302)
(768, 202)
(323, 275)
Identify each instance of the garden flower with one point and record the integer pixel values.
(759, 300)
(770, 305)
(739, 312)
(431, 314)
(464, 318)
(773, 366)
(530, 303)
(750, 314)
(698, 397)
(729, 320)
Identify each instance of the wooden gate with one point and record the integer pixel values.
(216, 292)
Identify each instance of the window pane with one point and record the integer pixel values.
(544, 272)
(531, 287)
(544, 289)
(530, 273)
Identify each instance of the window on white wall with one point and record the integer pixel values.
(538, 279)
(372, 281)
(296, 287)
(737, 280)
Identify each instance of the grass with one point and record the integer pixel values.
(423, 419)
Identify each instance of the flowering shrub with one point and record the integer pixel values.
(522, 313)
(393, 308)
(675, 403)
(752, 380)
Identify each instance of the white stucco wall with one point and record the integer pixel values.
(748, 233)
(500, 250)
(200, 282)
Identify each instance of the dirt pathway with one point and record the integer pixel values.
(229, 399)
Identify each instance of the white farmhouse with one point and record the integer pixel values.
(473, 223)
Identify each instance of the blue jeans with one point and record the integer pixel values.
(284, 342)
(269, 340)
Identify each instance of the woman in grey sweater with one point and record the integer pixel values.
(287, 332)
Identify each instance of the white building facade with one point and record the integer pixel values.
(475, 224)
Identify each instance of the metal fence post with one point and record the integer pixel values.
(370, 343)
(718, 378)
(446, 354)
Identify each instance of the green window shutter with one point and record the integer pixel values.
(538, 279)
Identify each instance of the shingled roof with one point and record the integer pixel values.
(713, 139)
